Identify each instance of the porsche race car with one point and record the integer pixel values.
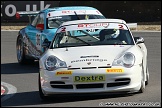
(41, 30)
(93, 56)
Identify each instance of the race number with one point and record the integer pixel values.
(121, 27)
(38, 41)
(90, 30)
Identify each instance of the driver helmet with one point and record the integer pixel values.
(113, 34)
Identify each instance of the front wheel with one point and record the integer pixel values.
(147, 77)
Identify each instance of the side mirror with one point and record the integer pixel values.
(40, 26)
(139, 40)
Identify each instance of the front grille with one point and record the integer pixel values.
(119, 82)
(62, 86)
(123, 79)
(57, 82)
(86, 86)
(88, 67)
(104, 67)
(73, 68)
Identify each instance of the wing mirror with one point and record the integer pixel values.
(40, 26)
(139, 40)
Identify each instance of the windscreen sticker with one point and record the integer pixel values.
(120, 26)
(72, 12)
(93, 25)
(63, 29)
(55, 17)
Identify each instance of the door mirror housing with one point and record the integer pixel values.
(139, 40)
(40, 26)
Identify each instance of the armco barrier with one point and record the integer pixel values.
(132, 25)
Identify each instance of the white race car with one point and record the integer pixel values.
(93, 56)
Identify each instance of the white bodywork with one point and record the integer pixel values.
(90, 69)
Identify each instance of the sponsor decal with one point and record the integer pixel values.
(31, 47)
(63, 29)
(93, 25)
(114, 70)
(121, 27)
(98, 12)
(72, 11)
(38, 41)
(49, 14)
(54, 17)
(64, 73)
(85, 60)
(89, 63)
(93, 78)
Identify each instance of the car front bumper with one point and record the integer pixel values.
(61, 81)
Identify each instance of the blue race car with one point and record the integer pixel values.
(32, 41)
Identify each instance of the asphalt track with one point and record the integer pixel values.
(25, 79)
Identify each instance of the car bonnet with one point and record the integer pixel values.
(95, 55)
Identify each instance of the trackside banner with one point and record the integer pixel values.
(9, 9)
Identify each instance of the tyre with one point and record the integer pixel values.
(142, 81)
(147, 77)
(20, 52)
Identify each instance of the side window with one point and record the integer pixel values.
(34, 22)
(57, 40)
(41, 19)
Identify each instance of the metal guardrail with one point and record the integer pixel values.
(132, 25)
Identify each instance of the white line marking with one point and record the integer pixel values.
(9, 30)
(11, 91)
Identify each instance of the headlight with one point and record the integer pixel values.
(126, 60)
(52, 63)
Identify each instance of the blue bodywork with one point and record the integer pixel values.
(32, 44)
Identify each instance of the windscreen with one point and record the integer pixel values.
(93, 34)
(56, 18)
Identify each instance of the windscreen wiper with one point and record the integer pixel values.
(89, 34)
(77, 15)
(80, 40)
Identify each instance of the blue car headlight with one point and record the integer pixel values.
(127, 60)
(53, 63)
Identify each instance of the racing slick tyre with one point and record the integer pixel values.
(147, 77)
(142, 81)
(20, 52)
(41, 94)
